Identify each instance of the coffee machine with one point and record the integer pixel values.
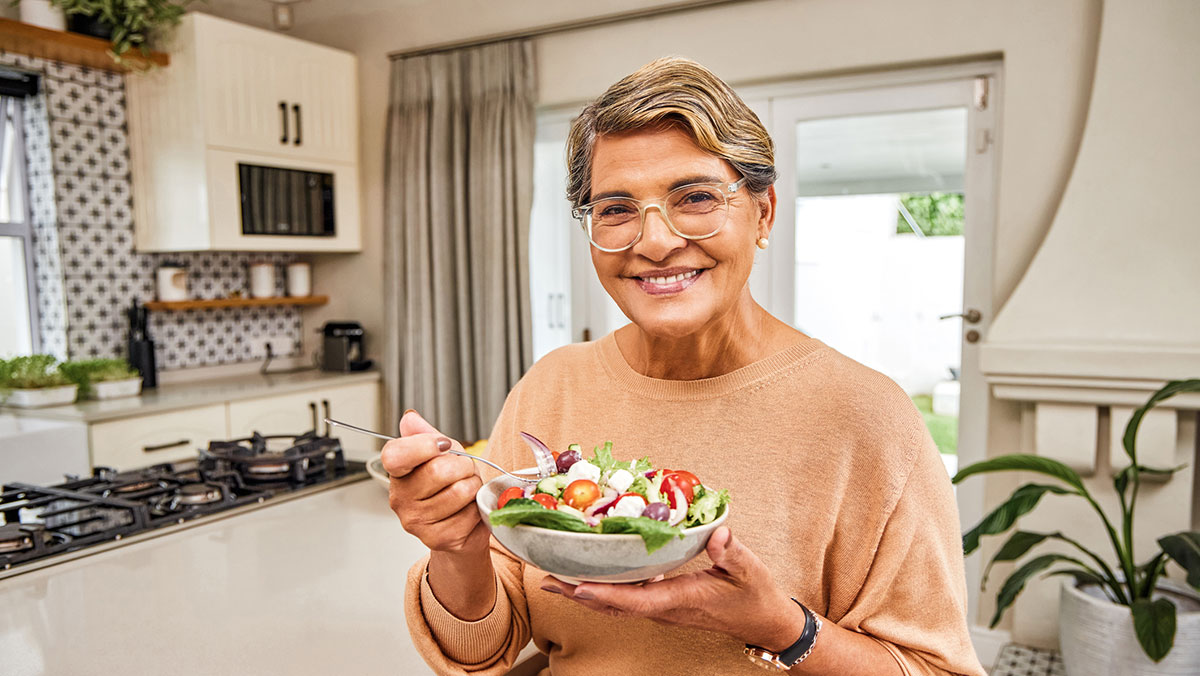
(342, 347)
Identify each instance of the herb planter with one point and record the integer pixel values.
(113, 389)
(1097, 638)
(45, 396)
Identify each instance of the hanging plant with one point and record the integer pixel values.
(133, 23)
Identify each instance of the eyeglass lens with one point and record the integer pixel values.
(693, 211)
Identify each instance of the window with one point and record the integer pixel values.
(17, 300)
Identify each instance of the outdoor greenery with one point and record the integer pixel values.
(943, 428)
(30, 373)
(936, 213)
(133, 21)
(1133, 584)
(87, 371)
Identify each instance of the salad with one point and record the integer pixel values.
(605, 495)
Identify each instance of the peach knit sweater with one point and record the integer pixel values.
(835, 485)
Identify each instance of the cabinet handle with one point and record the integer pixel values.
(328, 414)
(296, 110)
(312, 407)
(283, 117)
(163, 447)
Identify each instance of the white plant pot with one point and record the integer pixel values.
(46, 396)
(1097, 639)
(112, 389)
(41, 13)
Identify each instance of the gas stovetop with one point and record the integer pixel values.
(44, 525)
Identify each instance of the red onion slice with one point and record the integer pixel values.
(600, 506)
(679, 513)
(541, 453)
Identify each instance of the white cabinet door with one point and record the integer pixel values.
(131, 443)
(291, 413)
(242, 73)
(321, 91)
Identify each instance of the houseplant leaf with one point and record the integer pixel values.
(1154, 624)
(1184, 549)
(1015, 583)
(1082, 577)
(1021, 502)
(1169, 390)
(1027, 463)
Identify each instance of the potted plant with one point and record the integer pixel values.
(33, 381)
(129, 24)
(1106, 612)
(103, 378)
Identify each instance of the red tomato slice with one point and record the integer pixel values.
(685, 477)
(509, 494)
(581, 493)
(636, 495)
(674, 481)
(546, 501)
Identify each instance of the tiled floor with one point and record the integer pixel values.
(1018, 660)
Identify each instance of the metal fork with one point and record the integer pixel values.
(360, 430)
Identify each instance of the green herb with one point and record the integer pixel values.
(133, 21)
(85, 372)
(31, 372)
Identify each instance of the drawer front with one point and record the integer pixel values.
(357, 405)
(131, 443)
(288, 414)
(294, 413)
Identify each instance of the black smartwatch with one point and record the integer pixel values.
(793, 654)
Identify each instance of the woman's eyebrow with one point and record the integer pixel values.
(678, 183)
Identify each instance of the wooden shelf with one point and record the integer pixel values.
(83, 50)
(214, 303)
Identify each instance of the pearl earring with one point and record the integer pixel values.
(763, 242)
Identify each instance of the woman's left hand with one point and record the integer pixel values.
(737, 596)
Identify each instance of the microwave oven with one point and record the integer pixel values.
(289, 202)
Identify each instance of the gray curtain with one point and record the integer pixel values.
(458, 179)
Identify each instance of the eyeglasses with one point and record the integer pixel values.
(692, 212)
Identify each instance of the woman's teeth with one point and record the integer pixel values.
(673, 278)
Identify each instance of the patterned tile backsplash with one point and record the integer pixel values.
(87, 272)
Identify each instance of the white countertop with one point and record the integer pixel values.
(314, 585)
(176, 396)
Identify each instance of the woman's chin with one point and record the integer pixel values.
(669, 324)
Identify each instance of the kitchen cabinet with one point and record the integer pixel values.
(235, 94)
(147, 440)
(287, 413)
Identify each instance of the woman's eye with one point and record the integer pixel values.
(697, 198)
(615, 210)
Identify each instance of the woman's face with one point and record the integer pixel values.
(646, 165)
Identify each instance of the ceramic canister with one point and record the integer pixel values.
(262, 280)
(299, 279)
(172, 282)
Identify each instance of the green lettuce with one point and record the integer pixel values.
(530, 512)
(706, 507)
(654, 533)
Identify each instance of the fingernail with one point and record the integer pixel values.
(584, 594)
(551, 588)
(407, 411)
(444, 444)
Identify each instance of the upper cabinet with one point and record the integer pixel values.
(248, 141)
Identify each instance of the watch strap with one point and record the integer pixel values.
(793, 654)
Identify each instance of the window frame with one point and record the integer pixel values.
(24, 230)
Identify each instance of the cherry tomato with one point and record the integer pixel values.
(673, 481)
(683, 476)
(509, 494)
(546, 501)
(636, 495)
(581, 493)
(555, 454)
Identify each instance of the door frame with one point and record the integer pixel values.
(781, 104)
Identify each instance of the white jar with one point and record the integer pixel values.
(42, 13)
(172, 283)
(262, 280)
(299, 280)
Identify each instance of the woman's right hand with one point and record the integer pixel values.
(433, 492)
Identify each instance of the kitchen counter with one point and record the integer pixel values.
(314, 585)
(176, 396)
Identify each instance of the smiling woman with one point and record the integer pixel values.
(842, 556)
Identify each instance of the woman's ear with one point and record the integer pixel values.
(766, 212)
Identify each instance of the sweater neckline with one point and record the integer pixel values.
(615, 364)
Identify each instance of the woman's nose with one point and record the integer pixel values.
(658, 240)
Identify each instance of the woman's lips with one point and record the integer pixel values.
(659, 286)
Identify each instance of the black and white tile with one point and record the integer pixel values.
(86, 268)
(1019, 660)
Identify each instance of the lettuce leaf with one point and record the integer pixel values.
(706, 507)
(654, 533)
(532, 513)
(602, 457)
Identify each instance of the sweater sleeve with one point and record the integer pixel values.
(914, 598)
(488, 646)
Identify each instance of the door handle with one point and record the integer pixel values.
(283, 118)
(163, 447)
(971, 316)
(312, 407)
(328, 414)
(299, 131)
(562, 310)
(550, 311)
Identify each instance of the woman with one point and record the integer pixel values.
(841, 505)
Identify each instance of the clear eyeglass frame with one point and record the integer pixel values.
(583, 213)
